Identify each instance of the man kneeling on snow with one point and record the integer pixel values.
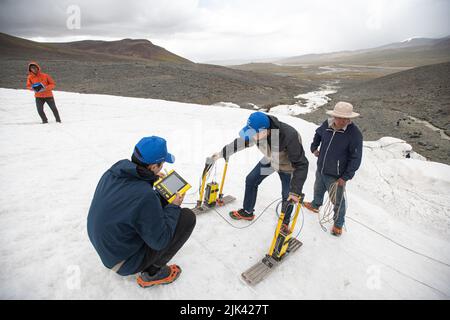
(132, 228)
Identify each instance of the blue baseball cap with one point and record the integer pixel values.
(152, 150)
(256, 122)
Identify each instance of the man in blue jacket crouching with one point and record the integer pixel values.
(131, 227)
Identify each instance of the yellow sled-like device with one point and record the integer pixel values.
(211, 195)
(283, 244)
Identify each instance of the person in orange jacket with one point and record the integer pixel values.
(42, 84)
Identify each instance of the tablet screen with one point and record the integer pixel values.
(173, 183)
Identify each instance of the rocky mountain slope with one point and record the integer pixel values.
(137, 68)
(398, 104)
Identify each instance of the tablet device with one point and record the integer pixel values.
(38, 87)
(170, 185)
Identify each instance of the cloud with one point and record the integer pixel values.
(375, 19)
(100, 17)
(204, 30)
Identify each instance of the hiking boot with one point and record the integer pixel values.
(241, 214)
(309, 206)
(336, 231)
(165, 275)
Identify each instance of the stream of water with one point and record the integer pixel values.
(429, 125)
(308, 102)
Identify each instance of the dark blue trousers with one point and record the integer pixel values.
(254, 179)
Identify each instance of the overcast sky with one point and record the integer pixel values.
(211, 30)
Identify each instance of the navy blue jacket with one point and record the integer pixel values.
(126, 215)
(340, 150)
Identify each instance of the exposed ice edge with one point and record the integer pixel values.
(395, 146)
(226, 104)
(314, 100)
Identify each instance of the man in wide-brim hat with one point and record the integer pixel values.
(338, 146)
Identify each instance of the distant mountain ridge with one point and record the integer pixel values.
(137, 48)
(408, 53)
(96, 49)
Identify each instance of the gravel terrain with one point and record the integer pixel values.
(387, 104)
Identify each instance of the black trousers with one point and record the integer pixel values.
(183, 230)
(51, 103)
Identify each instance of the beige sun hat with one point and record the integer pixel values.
(343, 110)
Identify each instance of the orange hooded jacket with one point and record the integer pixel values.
(43, 78)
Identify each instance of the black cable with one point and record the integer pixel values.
(303, 222)
(262, 213)
(386, 237)
(398, 244)
(301, 211)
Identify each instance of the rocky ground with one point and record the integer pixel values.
(387, 103)
(138, 68)
(195, 83)
(385, 98)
